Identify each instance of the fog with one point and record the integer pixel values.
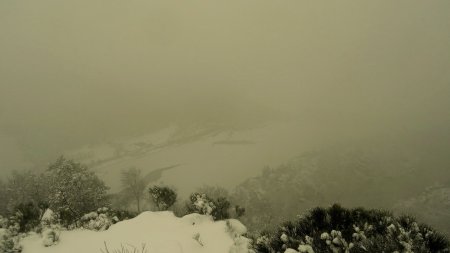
(75, 73)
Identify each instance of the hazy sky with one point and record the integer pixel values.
(84, 71)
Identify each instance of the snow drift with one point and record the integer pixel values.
(159, 232)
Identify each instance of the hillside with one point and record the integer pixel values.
(353, 176)
(216, 155)
(432, 205)
(381, 173)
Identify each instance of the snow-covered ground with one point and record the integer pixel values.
(159, 232)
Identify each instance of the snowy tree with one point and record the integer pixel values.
(133, 185)
(221, 212)
(220, 198)
(24, 196)
(74, 190)
(23, 188)
(200, 203)
(163, 197)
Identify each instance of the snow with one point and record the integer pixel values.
(236, 227)
(48, 216)
(160, 232)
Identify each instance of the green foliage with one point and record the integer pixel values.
(162, 196)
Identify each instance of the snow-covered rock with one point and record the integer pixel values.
(160, 232)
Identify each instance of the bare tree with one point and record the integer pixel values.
(133, 185)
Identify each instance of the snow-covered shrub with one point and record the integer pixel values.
(200, 203)
(50, 235)
(221, 212)
(223, 202)
(49, 218)
(100, 220)
(263, 242)
(219, 208)
(3, 222)
(50, 228)
(9, 236)
(238, 231)
(241, 245)
(340, 230)
(9, 241)
(163, 197)
(336, 242)
(28, 216)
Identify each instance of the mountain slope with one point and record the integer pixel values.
(187, 158)
(352, 176)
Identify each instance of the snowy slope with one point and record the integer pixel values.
(352, 176)
(160, 232)
(432, 206)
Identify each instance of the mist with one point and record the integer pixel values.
(78, 73)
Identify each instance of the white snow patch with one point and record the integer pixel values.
(161, 232)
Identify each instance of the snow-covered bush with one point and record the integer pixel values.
(49, 218)
(221, 212)
(28, 216)
(200, 203)
(9, 241)
(9, 236)
(219, 208)
(237, 231)
(50, 228)
(50, 236)
(340, 230)
(225, 204)
(163, 197)
(3, 222)
(100, 220)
